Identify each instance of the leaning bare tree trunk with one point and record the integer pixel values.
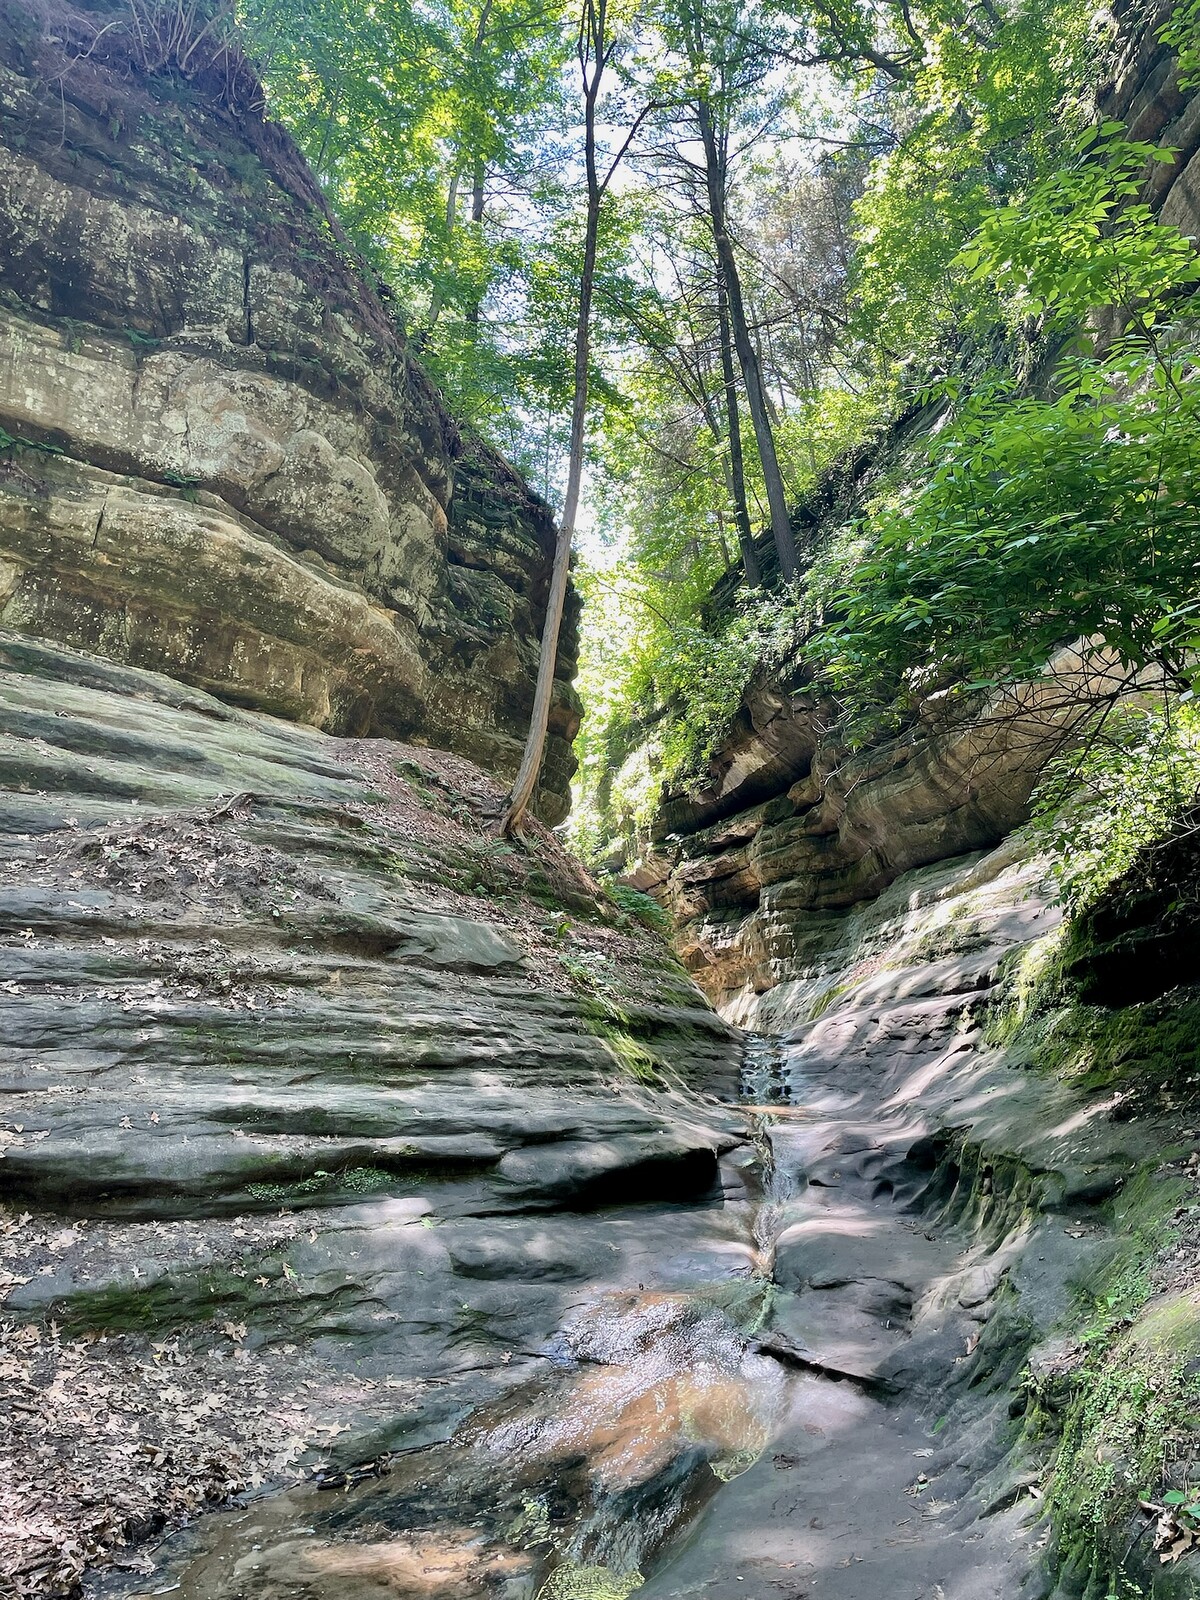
(714, 168)
(593, 50)
(733, 428)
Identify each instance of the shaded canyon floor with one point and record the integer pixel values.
(388, 1195)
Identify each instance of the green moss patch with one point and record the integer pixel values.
(632, 1056)
(354, 1180)
(1124, 1405)
(1140, 1048)
(1171, 1327)
(1128, 1434)
(183, 1301)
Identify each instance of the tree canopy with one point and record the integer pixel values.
(829, 215)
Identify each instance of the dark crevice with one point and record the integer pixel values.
(246, 298)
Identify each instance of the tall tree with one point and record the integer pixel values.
(689, 408)
(596, 48)
(729, 61)
(733, 423)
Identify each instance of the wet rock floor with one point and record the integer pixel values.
(387, 1189)
(755, 1418)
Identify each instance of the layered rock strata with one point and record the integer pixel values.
(319, 1108)
(218, 457)
(794, 827)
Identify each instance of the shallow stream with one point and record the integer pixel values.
(721, 1427)
(580, 1473)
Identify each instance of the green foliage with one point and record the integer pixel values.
(640, 906)
(1081, 238)
(589, 969)
(1182, 33)
(972, 247)
(420, 121)
(14, 441)
(698, 675)
(486, 867)
(1038, 522)
(987, 118)
(706, 674)
(1095, 809)
(1042, 520)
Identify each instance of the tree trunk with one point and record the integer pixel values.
(592, 49)
(477, 199)
(715, 175)
(733, 428)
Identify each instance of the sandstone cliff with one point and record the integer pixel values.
(217, 456)
(795, 826)
(790, 824)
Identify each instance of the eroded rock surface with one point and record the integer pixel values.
(228, 466)
(968, 1198)
(320, 1107)
(760, 865)
(867, 1371)
(1144, 93)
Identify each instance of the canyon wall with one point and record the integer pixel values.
(790, 825)
(218, 457)
(796, 828)
(1144, 92)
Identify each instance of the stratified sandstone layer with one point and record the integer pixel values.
(795, 827)
(319, 1109)
(228, 466)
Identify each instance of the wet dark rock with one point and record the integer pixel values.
(275, 1086)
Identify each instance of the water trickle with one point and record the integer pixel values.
(569, 1484)
(765, 1086)
(763, 1079)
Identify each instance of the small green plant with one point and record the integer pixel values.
(414, 774)
(485, 871)
(352, 1180)
(641, 907)
(1186, 1506)
(587, 968)
(184, 482)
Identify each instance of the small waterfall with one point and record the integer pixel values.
(763, 1086)
(762, 1081)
